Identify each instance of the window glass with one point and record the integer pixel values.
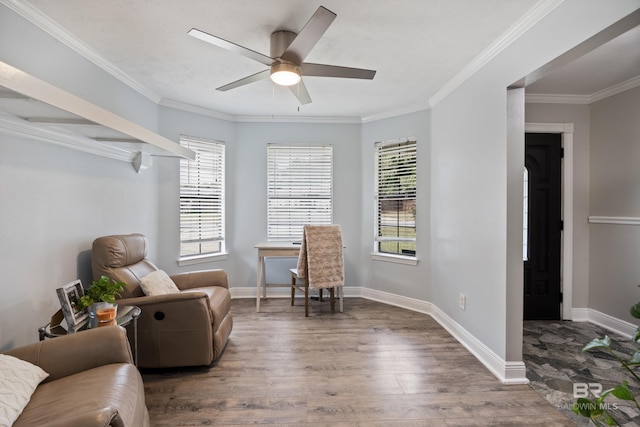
(525, 219)
(202, 198)
(300, 186)
(395, 197)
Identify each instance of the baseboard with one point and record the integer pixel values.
(613, 324)
(397, 300)
(507, 372)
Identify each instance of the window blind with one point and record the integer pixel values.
(395, 197)
(300, 186)
(202, 198)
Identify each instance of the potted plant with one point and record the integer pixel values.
(100, 298)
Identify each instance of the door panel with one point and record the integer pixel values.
(542, 293)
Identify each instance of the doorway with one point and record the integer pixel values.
(542, 226)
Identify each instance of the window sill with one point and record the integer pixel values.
(398, 259)
(200, 259)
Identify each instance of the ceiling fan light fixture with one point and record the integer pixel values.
(284, 74)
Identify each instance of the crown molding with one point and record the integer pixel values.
(397, 112)
(190, 108)
(552, 98)
(33, 15)
(298, 119)
(177, 105)
(616, 89)
(542, 9)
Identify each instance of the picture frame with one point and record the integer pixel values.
(69, 295)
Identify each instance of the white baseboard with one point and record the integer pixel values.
(507, 372)
(613, 324)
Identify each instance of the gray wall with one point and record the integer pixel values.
(54, 201)
(614, 270)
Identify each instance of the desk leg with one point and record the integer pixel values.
(135, 341)
(264, 278)
(259, 281)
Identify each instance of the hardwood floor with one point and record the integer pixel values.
(373, 365)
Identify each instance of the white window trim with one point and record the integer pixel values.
(201, 259)
(382, 256)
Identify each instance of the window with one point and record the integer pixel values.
(395, 197)
(300, 184)
(202, 198)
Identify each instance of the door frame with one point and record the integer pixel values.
(566, 237)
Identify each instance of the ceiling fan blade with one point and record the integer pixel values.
(236, 48)
(309, 35)
(246, 80)
(300, 91)
(322, 70)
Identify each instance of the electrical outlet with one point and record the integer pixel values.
(462, 301)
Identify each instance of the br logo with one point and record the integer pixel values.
(583, 389)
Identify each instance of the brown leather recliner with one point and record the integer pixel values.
(92, 382)
(189, 328)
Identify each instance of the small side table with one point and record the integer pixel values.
(127, 314)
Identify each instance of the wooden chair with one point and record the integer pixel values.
(320, 264)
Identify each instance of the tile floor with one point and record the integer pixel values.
(555, 362)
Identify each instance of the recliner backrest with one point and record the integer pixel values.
(123, 258)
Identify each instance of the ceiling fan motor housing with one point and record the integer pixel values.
(280, 41)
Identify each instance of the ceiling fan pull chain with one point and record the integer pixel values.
(273, 100)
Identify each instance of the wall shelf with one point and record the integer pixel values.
(33, 108)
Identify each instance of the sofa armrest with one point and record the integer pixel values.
(172, 311)
(73, 353)
(200, 279)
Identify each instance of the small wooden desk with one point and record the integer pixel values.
(271, 249)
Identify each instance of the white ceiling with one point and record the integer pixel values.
(605, 67)
(416, 46)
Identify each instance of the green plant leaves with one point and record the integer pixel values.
(621, 391)
(103, 289)
(635, 311)
(598, 343)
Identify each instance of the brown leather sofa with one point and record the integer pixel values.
(92, 382)
(188, 328)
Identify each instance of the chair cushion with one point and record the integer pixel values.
(119, 250)
(158, 283)
(18, 381)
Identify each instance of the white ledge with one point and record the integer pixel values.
(398, 259)
(620, 220)
(201, 259)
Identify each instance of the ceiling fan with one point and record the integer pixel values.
(288, 51)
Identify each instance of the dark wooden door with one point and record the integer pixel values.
(543, 163)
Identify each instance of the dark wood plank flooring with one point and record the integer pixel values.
(373, 365)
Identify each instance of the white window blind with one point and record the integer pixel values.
(395, 197)
(300, 186)
(202, 198)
